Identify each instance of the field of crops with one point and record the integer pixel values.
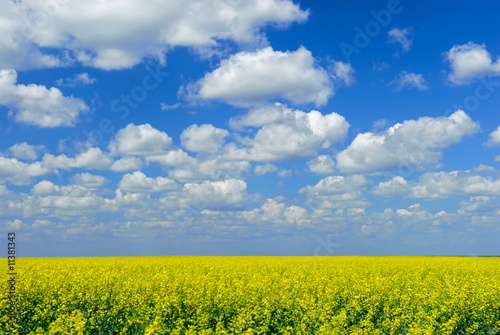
(256, 295)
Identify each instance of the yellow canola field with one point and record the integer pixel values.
(255, 295)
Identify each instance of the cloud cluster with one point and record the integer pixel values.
(37, 105)
(494, 137)
(204, 138)
(137, 182)
(469, 62)
(140, 140)
(251, 78)
(115, 35)
(441, 185)
(337, 192)
(413, 144)
(229, 194)
(285, 134)
(25, 150)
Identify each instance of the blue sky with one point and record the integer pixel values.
(250, 127)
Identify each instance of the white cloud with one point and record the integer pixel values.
(204, 138)
(494, 137)
(214, 195)
(174, 158)
(297, 215)
(272, 210)
(400, 36)
(114, 35)
(251, 78)
(337, 192)
(93, 158)
(396, 187)
(286, 133)
(482, 204)
(413, 144)
(343, 73)
(187, 168)
(277, 214)
(322, 165)
(441, 185)
(261, 170)
(37, 105)
(138, 182)
(45, 187)
(126, 164)
(4, 190)
(19, 172)
(142, 140)
(409, 80)
(284, 173)
(77, 80)
(53, 200)
(133, 204)
(470, 61)
(447, 184)
(25, 151)
(165, 107)
(88, 180)
(14, 225)
(219, 168)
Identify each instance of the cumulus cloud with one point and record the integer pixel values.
(14, 225)
(297, 215)
(321, 165)
(400, 36)
(261, 170)
(114, 35)
(441, 185)
(126, 164)
(25, 150)
(413, 144)
(142, 140)
(396, 187)
(343, 73)
(409, 80)
(277, 213)
(53, 200)
(17, 172)
(469, 62)
(286, 134)
(174, 158)
(481, 204)
(187, 168)
(214, 195)
(37, 105)
(219, 168)
(252, 78)
(88, 180)
(270, 211)
(138, 182)
(204, 138)
(494, 137)
(4, 190)
(337, 192)
(93, 158)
